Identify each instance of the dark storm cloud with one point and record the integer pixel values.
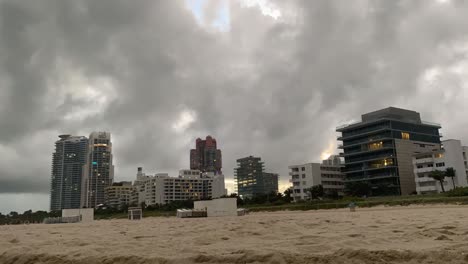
(274, 88)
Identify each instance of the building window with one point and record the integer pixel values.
(464, 155)
(405, 135)
(439, 155)
(430, 165)
(420, 166)
(304, 183)
(376, 145)
(441, 164)
(303, 176)
(303, 168)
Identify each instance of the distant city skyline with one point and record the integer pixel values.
(271, 79)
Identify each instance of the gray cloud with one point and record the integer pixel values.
(274, 88)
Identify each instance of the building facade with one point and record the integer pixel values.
(331, 177)
(270, 182)
(206, 157)
(378, 150)
(121, 194)
(251, 179)
(452, 155)
(98, 171)
(190, 185)
(67, 169)
(328, 174)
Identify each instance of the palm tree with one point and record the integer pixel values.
(450, 172)
(438, 176)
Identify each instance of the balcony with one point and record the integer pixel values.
(366, 141)
(424, 170)
(366, 150)
(371, 177)
(369, 169)
(364, 132)
(422, 161)
(425, 179)
(426, 189)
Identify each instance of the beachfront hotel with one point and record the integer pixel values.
(189, 185)
(378, 150)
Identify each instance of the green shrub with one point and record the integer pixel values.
(459, 191)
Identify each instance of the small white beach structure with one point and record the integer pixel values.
(135, 213)
(218, 207)
(85, 214)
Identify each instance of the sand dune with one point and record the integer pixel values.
(416, 234)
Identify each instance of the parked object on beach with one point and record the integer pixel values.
(352, 207)
(135, 213)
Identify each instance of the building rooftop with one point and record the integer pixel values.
(389, 113)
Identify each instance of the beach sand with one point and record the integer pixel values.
(412, 234)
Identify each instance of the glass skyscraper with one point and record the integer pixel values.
(67, 169)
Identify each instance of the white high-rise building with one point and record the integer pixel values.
(328, 174)
(452, 155)
(98, 173)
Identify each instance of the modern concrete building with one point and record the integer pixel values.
(332, 179)
(328, 174)
(378, 150)
(98, 171)
(206, 157)
(270, 182)
(452, 155)
(251, 179)
(121, 194)
(67, 169)
(190, 185)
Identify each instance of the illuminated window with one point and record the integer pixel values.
(405, 135)
(439, 155)
(376, 145)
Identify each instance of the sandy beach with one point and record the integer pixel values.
(413, 234)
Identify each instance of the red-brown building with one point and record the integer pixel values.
(206, 157)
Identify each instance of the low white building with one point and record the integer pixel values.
(452, 155)
(328, 174)
(218, 207)
(190, 185)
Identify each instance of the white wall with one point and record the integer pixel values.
(218, 207)
(218, 187)
(87, 214)
(453, 157)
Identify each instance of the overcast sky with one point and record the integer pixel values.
(265, 78)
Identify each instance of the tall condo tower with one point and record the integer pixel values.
(98, 171)
(67, 169)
